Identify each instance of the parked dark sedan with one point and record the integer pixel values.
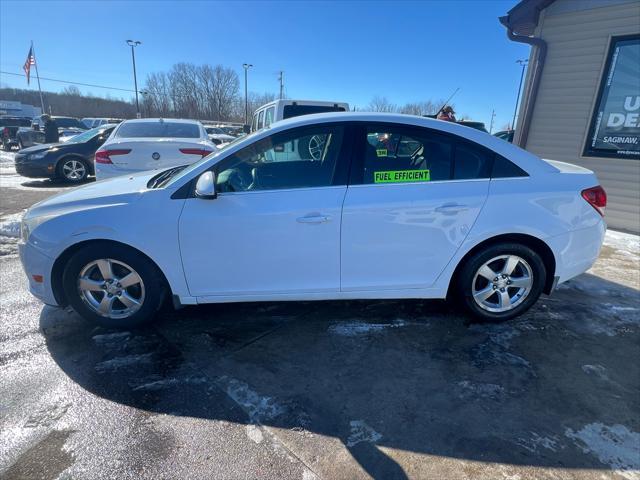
(71, 161)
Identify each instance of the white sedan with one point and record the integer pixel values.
(151, 144)
(388, 206)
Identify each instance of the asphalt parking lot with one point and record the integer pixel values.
(344, 390)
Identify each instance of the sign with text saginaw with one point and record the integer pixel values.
(615, 126)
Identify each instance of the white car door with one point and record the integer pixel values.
(274, 227)
(409, 206)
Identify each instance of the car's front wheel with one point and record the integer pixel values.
(501, 281)
(72, 170)
(113, 285)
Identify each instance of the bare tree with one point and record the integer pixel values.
(381, 104)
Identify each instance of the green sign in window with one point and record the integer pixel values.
(398, 176)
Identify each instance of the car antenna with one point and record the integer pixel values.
(445, 103)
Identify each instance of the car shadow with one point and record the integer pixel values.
(382, 376)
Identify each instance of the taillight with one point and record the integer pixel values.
(596, 197)
(103, 156)
(195, 151)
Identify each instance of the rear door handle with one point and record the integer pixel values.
(451, 208)
(314, 219)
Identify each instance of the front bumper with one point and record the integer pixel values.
(34, 262)
(42, 168)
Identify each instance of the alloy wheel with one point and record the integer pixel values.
(74, 170)
(502, 283)
(111, 288)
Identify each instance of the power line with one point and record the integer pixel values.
(72, 83)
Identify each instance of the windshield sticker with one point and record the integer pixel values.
(397, 176)
(381, 152)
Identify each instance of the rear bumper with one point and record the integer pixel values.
(577, 251)
(34, 262)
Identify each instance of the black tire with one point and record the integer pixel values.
(60, 170)
(155, 288)
(464, 283)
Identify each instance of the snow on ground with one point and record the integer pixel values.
(615, 446)
(10, 225)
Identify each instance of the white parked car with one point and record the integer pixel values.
(395, 206)
(218, 137)
(151, 144)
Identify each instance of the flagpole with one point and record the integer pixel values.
(38, 76)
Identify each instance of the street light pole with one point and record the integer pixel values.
(133, 44)
(523, 63)
(246, 67)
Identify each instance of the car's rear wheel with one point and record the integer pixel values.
(501, 281)
(72, 170)
(113, 286)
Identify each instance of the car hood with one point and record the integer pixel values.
(42, 147)
(114, 191)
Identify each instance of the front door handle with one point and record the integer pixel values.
(314, 219)
(451, 208)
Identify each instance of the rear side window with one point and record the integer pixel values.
(290, 111)
(268, 116)
(471, 162)
(405, 155)
(503, 168)
(158, 129)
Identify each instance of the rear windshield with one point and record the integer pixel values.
(158, 129)
(15, 122)
(297, 110)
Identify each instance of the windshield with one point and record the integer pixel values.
(158, 129)
(84, 136)
(183, 173)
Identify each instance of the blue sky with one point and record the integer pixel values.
(347, 51)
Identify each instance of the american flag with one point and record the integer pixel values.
(31, 60)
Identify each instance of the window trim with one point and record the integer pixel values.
(587, 150)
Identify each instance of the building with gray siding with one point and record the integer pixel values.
(581, 100)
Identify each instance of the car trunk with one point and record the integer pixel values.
(149, 154)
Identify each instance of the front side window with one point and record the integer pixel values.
(299, 158)
(400, 155)
(615, 124)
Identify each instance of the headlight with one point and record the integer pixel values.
(37, 156)
(29, 225)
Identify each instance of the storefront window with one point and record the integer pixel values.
(615, 124)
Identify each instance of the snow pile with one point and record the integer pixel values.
(625, 242)
(10, 225)
(352, 329)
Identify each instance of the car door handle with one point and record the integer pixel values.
(314, 219)
(451, 208)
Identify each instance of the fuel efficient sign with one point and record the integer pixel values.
(615, 126)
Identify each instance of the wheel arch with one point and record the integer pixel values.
(534, 243)
(63, 258)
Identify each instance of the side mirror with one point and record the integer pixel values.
(206, 186)
(246, 128)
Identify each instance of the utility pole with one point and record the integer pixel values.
(493, 115)
(523, 63)
(133, 44)
(281, 79)
(246, 67)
